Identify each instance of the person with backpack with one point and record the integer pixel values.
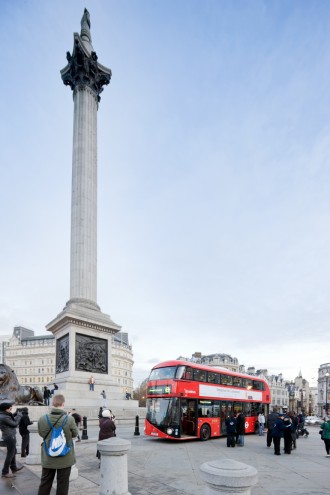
(57, 450)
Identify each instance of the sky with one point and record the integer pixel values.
(213, 175)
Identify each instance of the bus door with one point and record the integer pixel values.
(189, 417)
(226, 409)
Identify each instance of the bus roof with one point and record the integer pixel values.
(207, 368)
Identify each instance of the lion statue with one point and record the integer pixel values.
(11, 390)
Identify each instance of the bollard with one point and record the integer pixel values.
(113, 472)
(34, 456)
(228, 476)
(137, 431)
(84, 435)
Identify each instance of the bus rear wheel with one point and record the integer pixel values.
(205, 433)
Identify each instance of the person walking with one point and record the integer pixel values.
(78, 421)
(261, 421)
(8, 425)
(325, 427)
(271, 419)
(24, 432)
(231, 430)
(240, 429)
(60, 464)
(91, 382)
(107, 427)
(277, 433)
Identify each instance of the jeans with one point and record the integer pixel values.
(10, 461)
(47, 478)
(241, 440)
(91, 387)
(261, 428)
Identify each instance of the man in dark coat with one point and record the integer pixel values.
(231, 430)
(46, 396)
(24, 432)
(271, 419)
(8, 425)
(287, 434)
(240, 429)
(277, 432)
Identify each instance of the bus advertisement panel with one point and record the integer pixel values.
(187, 400)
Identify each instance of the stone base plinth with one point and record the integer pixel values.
(83, 339)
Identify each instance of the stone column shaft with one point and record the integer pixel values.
(83, 276)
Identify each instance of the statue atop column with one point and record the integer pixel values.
(85, 33)
(83, 69)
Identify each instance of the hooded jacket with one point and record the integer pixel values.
(70, 430)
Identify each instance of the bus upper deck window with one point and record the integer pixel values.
(188, 375)
(180, 372)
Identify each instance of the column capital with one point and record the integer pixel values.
(84, 70)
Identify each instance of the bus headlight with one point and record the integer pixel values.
(170, 431)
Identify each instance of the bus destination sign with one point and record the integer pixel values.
(160, 390)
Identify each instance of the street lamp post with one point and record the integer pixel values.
(326, 392)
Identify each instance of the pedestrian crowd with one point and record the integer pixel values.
(289, 426)
(59, 428)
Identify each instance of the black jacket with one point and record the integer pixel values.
(230, 424)
(271, 419)
(240, 424)
(9, 423)
(24, 423)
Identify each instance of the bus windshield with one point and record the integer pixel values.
(162, 373)
(163, 412)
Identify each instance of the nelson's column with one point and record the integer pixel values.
(83, 333)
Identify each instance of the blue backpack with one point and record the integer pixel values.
(57, 444)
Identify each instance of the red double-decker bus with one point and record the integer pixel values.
(187, 400)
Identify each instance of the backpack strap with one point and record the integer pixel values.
(53, 425)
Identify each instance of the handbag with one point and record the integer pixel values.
(321, 433)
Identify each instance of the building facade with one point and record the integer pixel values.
(323, 390)
(32, 359)
(122, 363)
(4, 340)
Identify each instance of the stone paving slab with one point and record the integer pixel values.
(162, 467)
(25, 482)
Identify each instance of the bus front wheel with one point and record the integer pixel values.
(205, 432)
